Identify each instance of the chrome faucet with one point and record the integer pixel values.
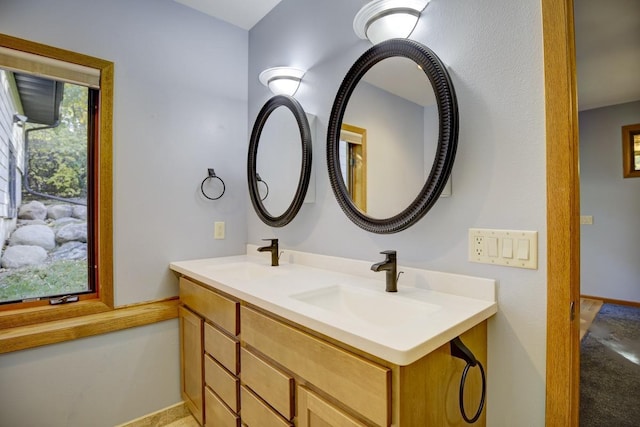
(273, 248)
(390, 267)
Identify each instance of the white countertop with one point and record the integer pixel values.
(429, 309)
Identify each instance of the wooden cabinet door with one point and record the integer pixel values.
(191, 360)
(316, 412)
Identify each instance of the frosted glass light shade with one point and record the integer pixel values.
(281, 80)
(380, 20)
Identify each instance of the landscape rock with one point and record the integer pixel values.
(71, 251)
(71, 233)
(79, 212)
(32, 210)
(59, 211)
(22, 255)
(59, 223)
(34, 235)
(23, 222)
(46, 233)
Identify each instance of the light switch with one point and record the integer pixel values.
(586, 219)
(218, 230)
(523, 249)
(492, 246)
(507, 248)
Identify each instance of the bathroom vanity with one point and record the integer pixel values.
(317, 342)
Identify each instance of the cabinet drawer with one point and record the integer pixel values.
(313, 410)
(222, 347)
(272, 385)
(216, 412)
(360, 384)
(218, 309)
(225, 385)
(256, 413)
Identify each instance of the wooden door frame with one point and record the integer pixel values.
(563, 215)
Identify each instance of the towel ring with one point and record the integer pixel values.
(459, 350)
(212, 175)
(259, 179)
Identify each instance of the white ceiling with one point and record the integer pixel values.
(241, 13)
(607, 43)
(607, 52)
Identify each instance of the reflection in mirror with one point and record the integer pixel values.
(353, 163)
(411, 140)
(279, 160)
(400, 119)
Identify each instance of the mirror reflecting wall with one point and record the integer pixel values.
(389, 137)
(397, 124)
(279, 160)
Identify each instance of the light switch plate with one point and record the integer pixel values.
(218, 230)
(586, 219)
(515, 248)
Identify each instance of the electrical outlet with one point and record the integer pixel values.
(509, 248)
(478, 245)
(218, 230)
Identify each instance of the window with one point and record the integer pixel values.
(68, 163)
(631, 150)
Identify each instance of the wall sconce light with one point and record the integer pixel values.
(380, 20)
(281, 80)
(20, 119)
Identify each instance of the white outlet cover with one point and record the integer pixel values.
(513, 239)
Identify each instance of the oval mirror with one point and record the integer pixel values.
(392, 136)
(279, 160)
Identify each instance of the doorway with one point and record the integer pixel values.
(607, 50)
(563, 214)
(353, 163)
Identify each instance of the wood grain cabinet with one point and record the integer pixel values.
(214, 359)
(191, 361)
(244, 366)
(313, 411)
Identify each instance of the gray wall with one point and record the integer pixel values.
(394, 147)
(181, 82)
(494, 55)
(180, 107)
(610, 264)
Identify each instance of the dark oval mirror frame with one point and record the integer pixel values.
(447, 135)
(305, 170)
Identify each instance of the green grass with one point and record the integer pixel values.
(60, 277)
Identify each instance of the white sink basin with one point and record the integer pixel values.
(379, 309)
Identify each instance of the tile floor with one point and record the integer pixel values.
(188, 421)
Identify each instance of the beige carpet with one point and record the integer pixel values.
(588, 310)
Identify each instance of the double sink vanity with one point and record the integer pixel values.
(320, 341)
(317, 341)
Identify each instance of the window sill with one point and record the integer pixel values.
(24, 337)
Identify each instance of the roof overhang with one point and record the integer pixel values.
(40, 97)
